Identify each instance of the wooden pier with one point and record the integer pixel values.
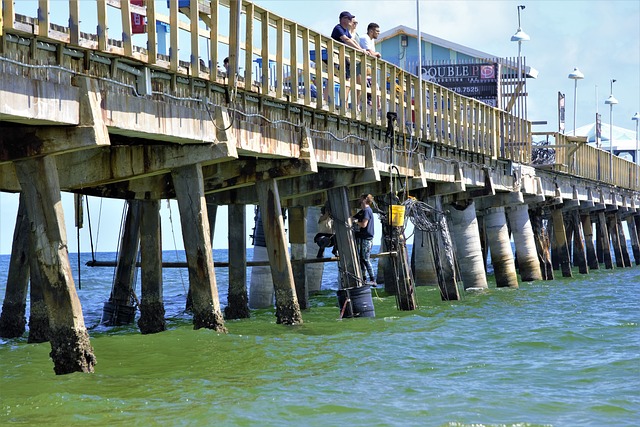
(103, 115)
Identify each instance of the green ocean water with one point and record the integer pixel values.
(559, 353)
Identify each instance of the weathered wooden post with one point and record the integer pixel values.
(504, 268)
(151, 303)
(70, 347)
(287, 308)
(579, 253)
(560, 238)
(542, 241)
(604, 240)
(524, 241)
(612, 226)
(587, 228)
(633, 235)
(119, 309)
(464, 230)
(189, 188)
(623, 242)
(297, 238)
(237, 299)
(39, 329)
(12, 319)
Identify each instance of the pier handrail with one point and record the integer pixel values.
(253, 37)
(574, 156)
(281, 60)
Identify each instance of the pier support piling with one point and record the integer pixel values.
(560, 237)
(633, 236)
(612, 226)
(151, 303)
(579, 252)
(298, 241)
(70, 347)
(189, 188)
(287, 308)
(495, 223)
(623, 242)
(466, 237)
(542, 242)
(120, 309)
(12, 319)
(261, 289)
(313, 271)
(587, 229)
(422, 259)
(237, 299)
(604, 241)
(524, 241)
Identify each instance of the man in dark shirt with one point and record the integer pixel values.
(364, 236)
(341, 31)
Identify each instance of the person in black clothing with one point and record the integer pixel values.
(364, 236)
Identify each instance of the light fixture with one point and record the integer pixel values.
(575, 76)
(520, 36)
(611, 101)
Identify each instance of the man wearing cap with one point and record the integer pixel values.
(341, 31)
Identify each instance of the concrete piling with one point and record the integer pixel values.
(298, 241)
(604, 241)
(495, 223)
(261, 289)
(524, 241)
(464, 231)
(313, 271)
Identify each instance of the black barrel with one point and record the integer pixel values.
(356, 302)
(117, 314)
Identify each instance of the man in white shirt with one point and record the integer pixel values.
(367, 42)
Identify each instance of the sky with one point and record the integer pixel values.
(601, 38)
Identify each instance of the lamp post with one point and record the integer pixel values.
(636, 118)
(611, 101)
(575, 76)
(520, 36)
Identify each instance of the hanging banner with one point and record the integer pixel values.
(561, 126)
(598, 129)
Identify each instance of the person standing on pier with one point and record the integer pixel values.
(364, 236)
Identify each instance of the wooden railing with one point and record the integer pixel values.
(574, 156)
(301, 65)
(281, 60)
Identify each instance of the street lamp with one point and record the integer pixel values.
(611, 101)
(636, 118)
(575, 76)
(520, 36)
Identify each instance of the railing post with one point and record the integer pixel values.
(234, 42)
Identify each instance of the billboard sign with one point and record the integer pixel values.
(479, 81)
